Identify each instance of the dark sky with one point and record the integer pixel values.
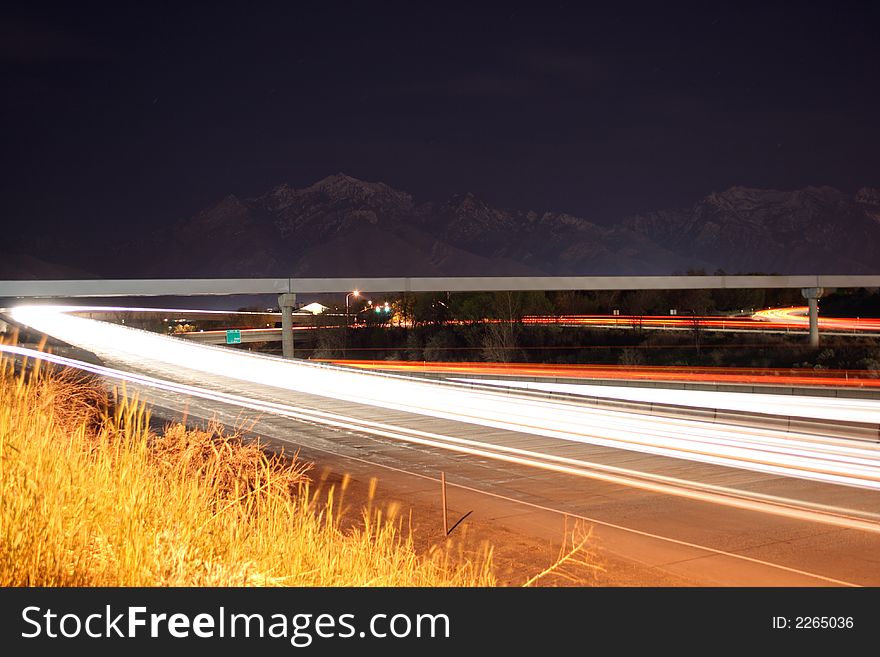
(120, 116)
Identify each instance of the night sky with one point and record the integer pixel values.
(120, 116)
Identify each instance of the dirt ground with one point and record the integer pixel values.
(517, 556)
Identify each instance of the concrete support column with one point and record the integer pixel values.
(287, 302)
(812, 295)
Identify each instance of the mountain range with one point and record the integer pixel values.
(342, 226)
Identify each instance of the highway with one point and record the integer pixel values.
(777, 320)
(746, 379)
(712, 503)
(797, 317)
(773, 320)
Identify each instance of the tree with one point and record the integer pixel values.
(470, 307)
(430, 308)
(505, 313)
(438, 347)
(331, 338)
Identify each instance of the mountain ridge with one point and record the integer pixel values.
(344, 226)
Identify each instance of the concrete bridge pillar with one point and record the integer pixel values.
(287, 302)
(812, 295)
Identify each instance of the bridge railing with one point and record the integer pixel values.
(252, 286)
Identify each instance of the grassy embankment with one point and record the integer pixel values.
(91, 497)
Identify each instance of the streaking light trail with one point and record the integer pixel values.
(798, 317)
(831, 408)
(651, 482)
(726, 375)
(763, 450)
(773, 319)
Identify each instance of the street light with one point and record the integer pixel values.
(355, 293)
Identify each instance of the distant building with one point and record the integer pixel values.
(315, 308)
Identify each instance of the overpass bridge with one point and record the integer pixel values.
(811, 286)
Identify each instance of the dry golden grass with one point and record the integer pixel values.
(577, 564)
(90, 497)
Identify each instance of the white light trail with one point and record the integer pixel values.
(763, 450)
(703, 492)
(821, 408)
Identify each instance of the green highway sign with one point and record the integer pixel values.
(233, 336)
